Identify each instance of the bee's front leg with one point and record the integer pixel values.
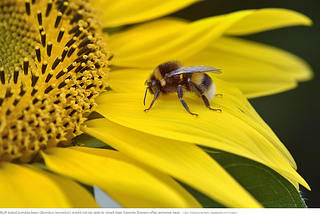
(156, 95)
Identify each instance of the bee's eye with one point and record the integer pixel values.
(154, 83)
(148, 83)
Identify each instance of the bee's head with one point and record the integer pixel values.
(152, 84)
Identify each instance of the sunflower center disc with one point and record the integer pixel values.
(53, 63)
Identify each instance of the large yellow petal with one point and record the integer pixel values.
(268, 19)
(27, 186)
(238, 129)
(185, 162)
(123, 12)
(152, 43)
(256, 69)
(131, 184)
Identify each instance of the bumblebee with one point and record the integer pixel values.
(170, 77)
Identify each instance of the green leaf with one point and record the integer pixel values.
(266, 185)
(205, 201)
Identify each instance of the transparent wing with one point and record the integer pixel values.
(193, 69)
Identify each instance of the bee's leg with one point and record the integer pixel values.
(200, 92)
(207, 103)
(180, 95)
(145, 95)
(156, 95)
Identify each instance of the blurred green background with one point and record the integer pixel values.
(293, 115)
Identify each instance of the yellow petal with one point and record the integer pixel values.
(123, 12)
(268, 19)
(149, 44)
(152, 43)
(256, 69)
(129, 80)
(185, 162)
(26, 186)
(128, 182)
(238, 129)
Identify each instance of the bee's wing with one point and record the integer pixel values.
(193, 69)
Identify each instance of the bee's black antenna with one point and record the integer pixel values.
(145, 95)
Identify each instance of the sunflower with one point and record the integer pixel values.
(68, 124)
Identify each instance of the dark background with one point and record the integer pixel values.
(293, 115)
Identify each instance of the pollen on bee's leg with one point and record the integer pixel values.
(54, 64)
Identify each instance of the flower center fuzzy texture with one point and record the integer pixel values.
(53, 63)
